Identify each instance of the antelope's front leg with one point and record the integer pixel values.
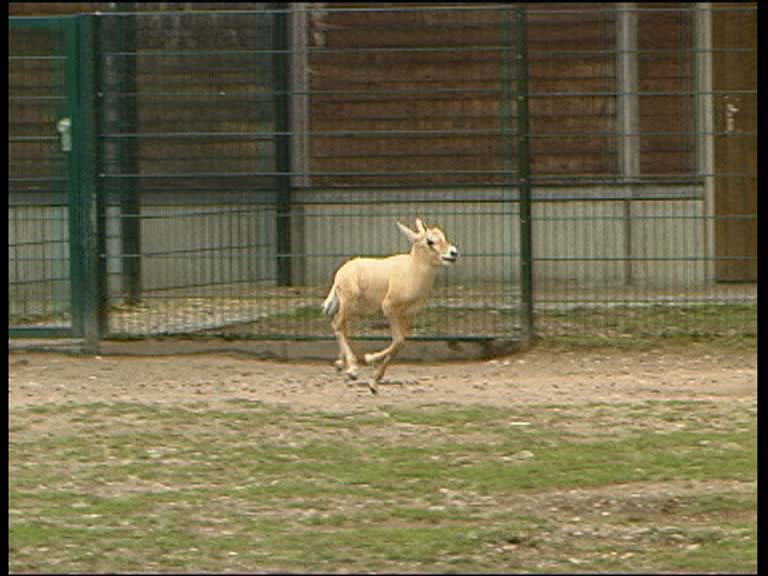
(376, 357)
(400, 329)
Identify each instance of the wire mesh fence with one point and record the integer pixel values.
(39, 283)
(595, 164)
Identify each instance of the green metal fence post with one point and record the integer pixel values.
(280, 87)
(94, 84)
(91, 239)
(77, 212)
(523, 159)
(507, 111)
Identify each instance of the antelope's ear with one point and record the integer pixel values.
(410, 234)
(420, 226)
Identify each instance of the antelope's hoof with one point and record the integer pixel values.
(339, 365)
(368, 359)
(351, 374)
(372, 387)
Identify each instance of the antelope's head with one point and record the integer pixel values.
(431, 243)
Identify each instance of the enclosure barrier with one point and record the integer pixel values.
(203, 173)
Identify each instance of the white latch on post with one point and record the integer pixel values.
(64, 127)
(730, 117)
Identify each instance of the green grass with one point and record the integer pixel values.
(615, 324)
(249, 487)
(733, 325)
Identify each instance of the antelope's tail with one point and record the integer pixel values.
(331, 303)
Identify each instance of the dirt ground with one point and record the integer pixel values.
(537, 376)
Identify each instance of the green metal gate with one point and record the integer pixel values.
(45, 264)
(53, 272)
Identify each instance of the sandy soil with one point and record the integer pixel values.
(538, 376)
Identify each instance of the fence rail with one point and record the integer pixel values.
(596, 165)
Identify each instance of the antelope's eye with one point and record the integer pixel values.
(430, 242)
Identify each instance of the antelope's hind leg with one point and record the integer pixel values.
(347, 360)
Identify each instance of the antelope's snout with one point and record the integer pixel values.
(450, 256)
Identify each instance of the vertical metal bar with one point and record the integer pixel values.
(523, 168)
(76, 254)
(508, 163)
(91, 236)
(299, 102)
(627, 80)
(629, 117)
(705, 125)
(118, 35)
(280, 87)
(299, 99)
(93, 51)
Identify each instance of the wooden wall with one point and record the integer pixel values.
(571, 134)
(357, 85)
(560, 121)
(50, 8)
(734, 78)
(362, 81)
(673, 152)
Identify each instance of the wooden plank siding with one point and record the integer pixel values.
(357, 85)
(735, 85)
(570, 52)
(387, 76)
(63, 8)
(398, 71)
(412, 91)
(50, 8)
(35, 103)
(666, 62)
(172, 95)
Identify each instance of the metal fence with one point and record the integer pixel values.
(595, 163)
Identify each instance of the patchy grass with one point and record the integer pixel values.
(623, 318)
(124, 487)
(620, 326)
(734, 325)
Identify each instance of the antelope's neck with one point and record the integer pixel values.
(422, 271)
